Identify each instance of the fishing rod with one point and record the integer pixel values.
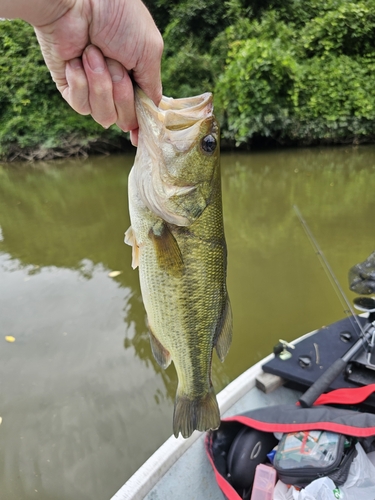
(365, 335)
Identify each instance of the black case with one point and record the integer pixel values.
(302, 476)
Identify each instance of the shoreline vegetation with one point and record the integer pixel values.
(283, 72)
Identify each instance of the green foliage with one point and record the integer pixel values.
(187, 19)
(255, 87)
(33, 115)
(306, 82)
(291, 70)
(286, 69)
(187, 61)
(192, 55)
(334, 99)
(347, 29)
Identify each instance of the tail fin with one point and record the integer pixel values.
(195, 414)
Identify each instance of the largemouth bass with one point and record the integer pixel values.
(178, 243)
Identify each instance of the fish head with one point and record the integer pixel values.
(178, 155)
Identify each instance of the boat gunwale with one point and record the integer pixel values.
(155, 467)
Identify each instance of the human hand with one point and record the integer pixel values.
(131, 44)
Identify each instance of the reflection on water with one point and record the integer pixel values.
(277, 286)
(73, 402)
(82, 400)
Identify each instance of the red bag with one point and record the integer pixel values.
(250, 435)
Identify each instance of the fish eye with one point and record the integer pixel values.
(208, 144)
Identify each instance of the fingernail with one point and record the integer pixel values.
(75, 63)
(95, 59)
(116, 71)
(134, 137)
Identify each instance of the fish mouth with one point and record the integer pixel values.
(176, 121)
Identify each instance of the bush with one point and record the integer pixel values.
(289, 70)
(345, 28)
(35, 119)
(307, 82)
(255, 87)
(334, 99)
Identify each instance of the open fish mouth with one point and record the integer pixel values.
(176, 121)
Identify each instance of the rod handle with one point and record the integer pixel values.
(322, 383)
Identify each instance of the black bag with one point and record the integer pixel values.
(234, 460)
(305, 456)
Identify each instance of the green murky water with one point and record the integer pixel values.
(82, 401)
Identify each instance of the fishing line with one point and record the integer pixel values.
(331, 276)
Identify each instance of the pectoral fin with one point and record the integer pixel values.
(130, 240)
(161, 354)
(224, 338)
(167, 250)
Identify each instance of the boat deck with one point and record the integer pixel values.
(180, 468)
(192, 478)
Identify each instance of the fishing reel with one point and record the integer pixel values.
(281, 349)
(366, 304)
(361, 369)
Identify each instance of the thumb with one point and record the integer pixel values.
(147, 73)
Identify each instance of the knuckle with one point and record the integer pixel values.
(102, 88)
(79, 85)
(124, 96)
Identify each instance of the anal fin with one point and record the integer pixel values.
(224, 334)
(167, 250)
(160, 353)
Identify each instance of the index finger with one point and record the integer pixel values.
(123, 96)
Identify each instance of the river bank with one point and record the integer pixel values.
(73, 147)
